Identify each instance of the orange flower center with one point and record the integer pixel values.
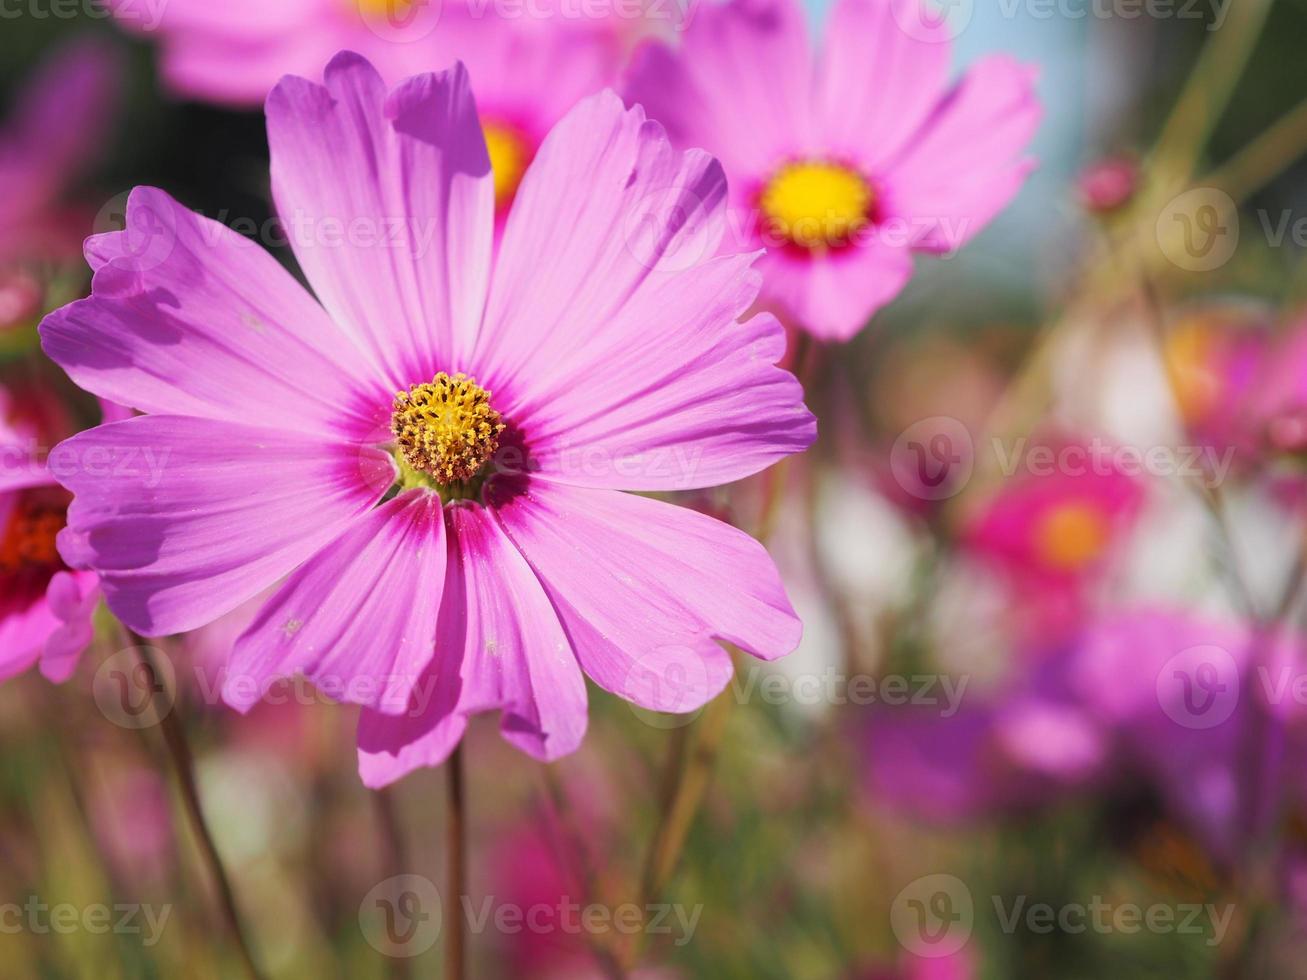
(1071, 535)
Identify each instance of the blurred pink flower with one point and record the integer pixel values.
(1053, 530)
(45, 607)
(495, 532)
(1002, 751)
(847, 162)
(62, 120)
(1180, 694)
(527, 70)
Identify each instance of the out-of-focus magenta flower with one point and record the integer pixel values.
(583, 366)
(1216, 357)
(1241, 388)
(1109, 185)
(847, 163)
(60, 123)
(527, 70)
(45, 607)
(1052, 530)
(1058, 526)
(999, 751)
(1179, 693)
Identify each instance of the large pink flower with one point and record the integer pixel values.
(459, 547)
(45, 607)
(847, 162)
(528, 70)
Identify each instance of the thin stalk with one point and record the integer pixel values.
(456, 869)
(183, 764)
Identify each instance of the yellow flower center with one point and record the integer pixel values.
(1071, 535)
(509, 155)
(446, 428)
(383, 8)
(817, 204)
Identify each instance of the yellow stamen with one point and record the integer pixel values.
(816, 204)
(1069, 536)
(446, 428)
(509, 155)
(383, 8)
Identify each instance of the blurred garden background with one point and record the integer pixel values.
(1049, 715)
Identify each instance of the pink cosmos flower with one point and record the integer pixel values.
(847, 162)
(1052, 535)
(45, 607)
(60, 121)
(528, 71)
(461, 546)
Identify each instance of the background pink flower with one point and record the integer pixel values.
(846, 163)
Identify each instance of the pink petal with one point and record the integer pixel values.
(72, 598)
(390, 203)
(834, 295)
(966, 163)
(617, 286)
(500, 647)
(188, 317)
(882, 71)
(606, 210)
(648, 591)
(187, 518)
(676, 394)
(358, 618)
(740, 85)
(24, 629)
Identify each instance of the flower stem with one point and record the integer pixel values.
(183, 764)
(456, 858)
(693, 773)
(576, 860)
